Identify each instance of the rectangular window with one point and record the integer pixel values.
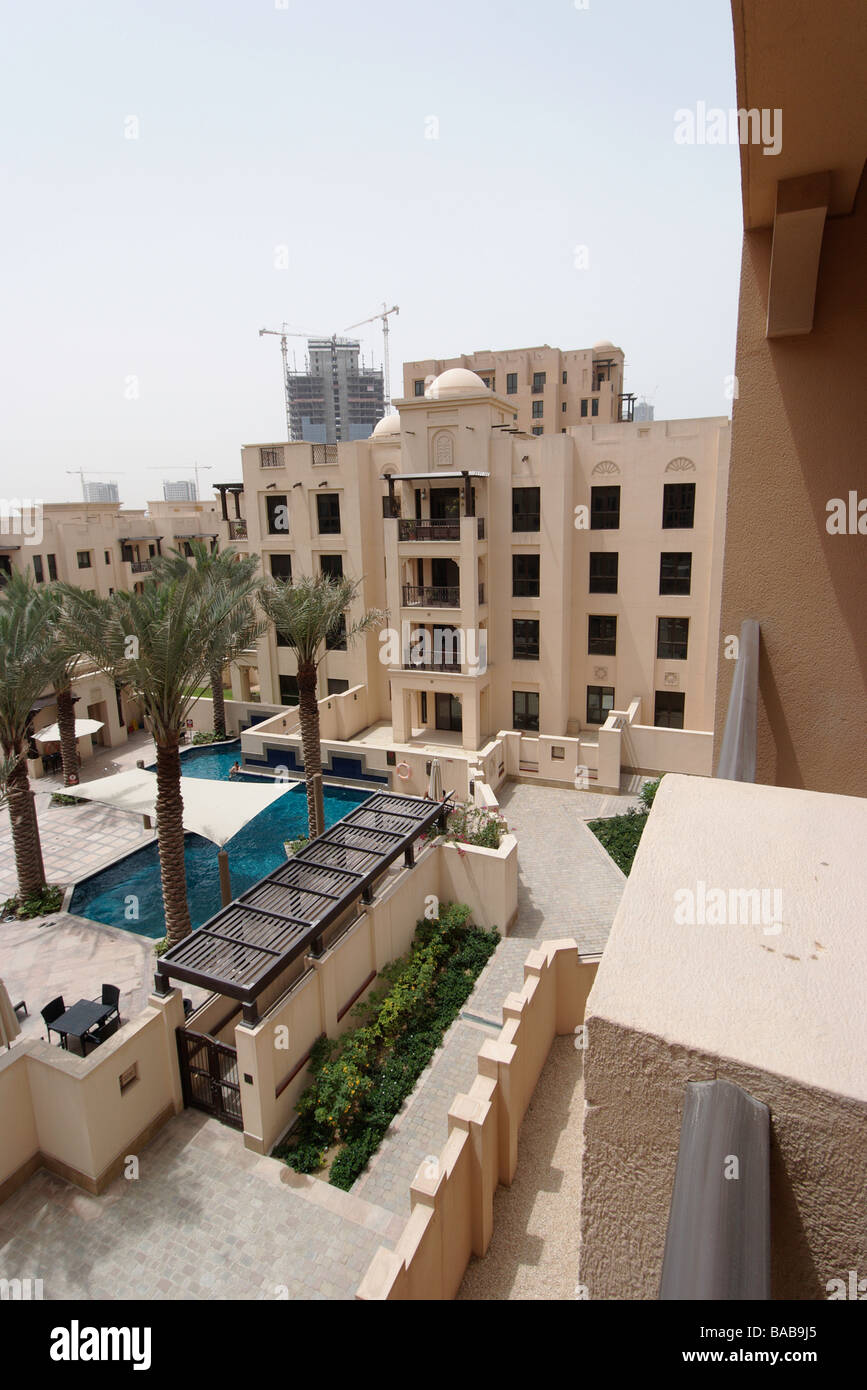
(604, 508)
(564, 378)
(525, 639)
(668, 709)
(600, 702)
(83, 558)
(558, 753)
(126, 554)
(525, 710)
(602, 635)
(525, 576)
(525, 508)
(270, 458)
(603, 571)
(511, 383)
(678, 505)
(52, 566)
(418, 387)
(337, 687)
(328, 508)
(672, 639)
(289, 690)
(538, 382)
(37, 568)
(594, 406)
(277, 512)
(675, 572)
(538, 429)
(108, 557)
(538, 409)
(281, 568)
(563, 408)
(331, 565)
(584, 409)
(336, 639)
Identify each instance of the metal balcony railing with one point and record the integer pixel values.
(237, 530)
(431, 596)
(141, 566)
(429, 530)
(454, 667)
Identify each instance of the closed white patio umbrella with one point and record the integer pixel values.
(51, 734)
(9, 1025)
(435, 785)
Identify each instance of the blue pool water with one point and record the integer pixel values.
(253, 852)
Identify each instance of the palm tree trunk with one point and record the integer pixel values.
(218, 701)
(25, 830)
(308, 713)
(170, 836)
(66, 725)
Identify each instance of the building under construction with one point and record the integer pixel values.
(337, 398)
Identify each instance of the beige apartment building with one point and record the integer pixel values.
(100, 547)
(536, 584)
(548, 390)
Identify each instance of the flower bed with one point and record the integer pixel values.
(475, 825)
(362, 1078)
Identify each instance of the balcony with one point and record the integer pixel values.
(237, 530)
(141, 566)
(442, 665)
(429, 596)
(412, 530)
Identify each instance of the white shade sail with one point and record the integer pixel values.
(51, 733)
(215, 810)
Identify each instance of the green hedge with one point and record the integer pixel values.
(362, 1078)
(621, 835)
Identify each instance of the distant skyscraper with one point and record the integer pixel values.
(337, 399)
(180, 492)
(101, 492)
(643, 411)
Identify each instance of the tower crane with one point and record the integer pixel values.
(383, 315)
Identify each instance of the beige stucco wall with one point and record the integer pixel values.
(777, 1012)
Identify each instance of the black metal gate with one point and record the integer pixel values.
(209, 1076)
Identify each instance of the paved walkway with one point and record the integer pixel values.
(567, 886)
(205, 1219)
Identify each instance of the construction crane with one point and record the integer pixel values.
(102, 472)
(184, 467)
(383, 315)
(283, 333)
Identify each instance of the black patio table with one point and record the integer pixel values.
(80, 1018)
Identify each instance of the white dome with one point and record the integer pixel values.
(389, 425)
(457, 381)
(603, 343)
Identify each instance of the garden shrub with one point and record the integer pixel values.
(361, 1079)
(621, 835)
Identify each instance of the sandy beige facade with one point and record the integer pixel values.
(797, 423)
(535, 583)
(548, 389)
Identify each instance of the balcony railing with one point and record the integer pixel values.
(429, 530)
(442, 665)
(141, 566)
(237, 530)
(431, 596)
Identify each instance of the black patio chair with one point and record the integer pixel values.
(111, 995)
(53, 1011)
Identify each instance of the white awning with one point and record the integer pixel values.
(215, 810)
(51, 733)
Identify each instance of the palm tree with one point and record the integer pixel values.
(306, 612)
(26, 667)
(67, 656)
(160, 642)
(235, 573)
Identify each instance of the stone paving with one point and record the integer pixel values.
(205, 1219)
(567, 886)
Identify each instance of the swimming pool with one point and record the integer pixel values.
(133, 884)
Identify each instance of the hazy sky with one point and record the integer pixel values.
(149, 264)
